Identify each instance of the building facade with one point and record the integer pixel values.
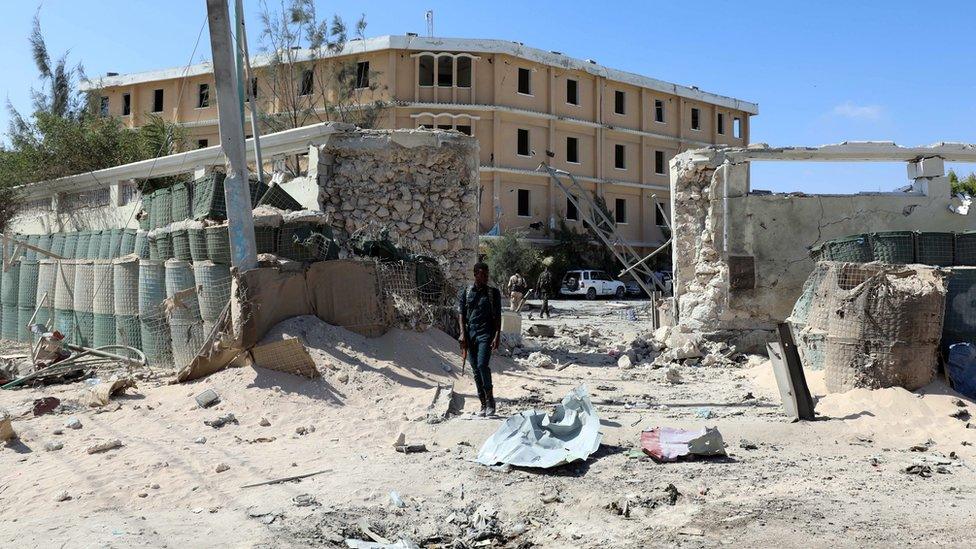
(616, 131)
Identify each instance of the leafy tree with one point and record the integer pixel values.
(512, 253)
(297, 42)
(963, 186)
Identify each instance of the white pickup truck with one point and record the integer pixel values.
(591, 284)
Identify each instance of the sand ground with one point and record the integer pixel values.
(838, 481)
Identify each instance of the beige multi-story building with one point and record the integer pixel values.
(615, 130)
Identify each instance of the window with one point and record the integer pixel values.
(362, 74)
(466, 130)
(600, 275)
(737, 128)
(157, 101)
(254, 88)
(525, 81)
(445, 71)
(426, 126)
(619, 102)
(203, 143)
(572, 149)
(659, 213)
(126, 104)
(659, 162)
(523, 203)
(572, 92)
(426, 76)
(572, 213)
(659, 111)
(308, 82)
(103, 106)
(523, 143)
(619, 157)
(695, 118)
(620, 211)
(720, 124)
(445, 127)
(203, 96)
(464, 72)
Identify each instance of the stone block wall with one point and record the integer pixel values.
(420, 184)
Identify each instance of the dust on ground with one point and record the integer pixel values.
(839, 480)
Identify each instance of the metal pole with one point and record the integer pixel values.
(236, 192)
(238, 57)
(252, 100)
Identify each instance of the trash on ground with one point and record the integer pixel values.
(45, 405)
(669, 444)
(101, 394)
(207, 398)
(534, 438)
(961, 368)
(541, 330)
(221, 421)
(105, 446)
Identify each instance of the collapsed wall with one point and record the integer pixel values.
(421, 185)
(741, 257)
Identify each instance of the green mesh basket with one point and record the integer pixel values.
(266, 240)
(32, 241)
(71, 245)
(153, 249)
(64, 322)
(115, 244)
(853, 249)
(44, 243)
(94, 246)
(179, 202)
(57, 244)
(128, 331)
(10, 285)
(964, 250)
(164, 245)
(104, 330)
(187, 338)
(181, 244)
(161, 214)
(127, 244)
(27, 283)
(279, 198)
(197, 239)
(154, 335)
(82, 244)
(142, 245)
(104, 246)
(10, 322)
(213, 284)
(218, 244)
(86, 328)
(306, 242)
(24, 315)
(897, 247)
(145, 220)
(935, 248)
(208, 196)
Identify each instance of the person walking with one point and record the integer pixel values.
(480, 317)
(516, 290)
(544, 287)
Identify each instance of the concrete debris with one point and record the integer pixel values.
(960, 204)
(264, 423)
(221, 467)
(672, 375)
(53, 445)
(200, 440)
(73, 423)
(105, 446)
(62, 496)
(625, 362)
(541, 330)
(540, 360)
(207, 398)
(221, 421)
(443, 404)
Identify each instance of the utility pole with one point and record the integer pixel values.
(249, 93)
(237, 195)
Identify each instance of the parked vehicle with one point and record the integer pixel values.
(591, 284)
(664, 277)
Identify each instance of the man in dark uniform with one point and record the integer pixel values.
(544, 286)
(479, 308)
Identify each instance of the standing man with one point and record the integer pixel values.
(516, 290)
(479, 308)
(543, 286)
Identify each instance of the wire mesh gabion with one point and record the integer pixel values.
(187, 340)
(141, 244)
(94, 246)
(127, 243)
(181, 244)
(24, 315)
(46, 287)
(179, 201)
(935, 248)
(57, 244)
(125, 286)
(161, 213)
(44, 243)
(64, 296)
(896, 247)
(213, 287)
(82, 243)
(115, 243)
(9, 322)
(181, 290)
(71, 245)
(153, 324)
(164, 244)
(104, 246)
(27, 283)
(83, 292)
(218, 244)
(198, 244)
(9, 287)
(103, 304)
(31, 240)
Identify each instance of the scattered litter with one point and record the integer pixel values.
(669, 444)
(101, 393)
(704, 413)
(534, 438)
(396, 500)
(411, 448)
(540, 360)
(264, 423)
(62, 496)
(200, 440)
(207, 398)
(73, 423)
(105, 446)
(221, 467)
(221, 421)
(53, 445)
(286, 479)
(402, 544)
(304, 500)
(45, 405)
(748, 445)
(541, 330)
(551, 498)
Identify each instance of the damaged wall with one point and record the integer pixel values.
(741, 259)
(423, 185)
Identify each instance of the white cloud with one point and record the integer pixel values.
(849, 109)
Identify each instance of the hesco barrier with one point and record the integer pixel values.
(127, 243)
(26, 296)
(941, 249)
(103, 305)
(154, 328)
(71, 245)
(57, 244)
(186, 326)
(83, 244)
(64, 299)
(198, 244)
(218, 244)
(960, 315)
(141, 244)
(83, 294)
(46, 277)
(94, 246)
(125, 287)
(181, 244)
(213, 284)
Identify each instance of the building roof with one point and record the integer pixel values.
(469, 45)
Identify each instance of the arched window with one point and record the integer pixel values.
(427, 70)
(463, 72)
(445, 71)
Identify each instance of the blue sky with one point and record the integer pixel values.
(822, 72)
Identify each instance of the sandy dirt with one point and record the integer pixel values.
(838, 481)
